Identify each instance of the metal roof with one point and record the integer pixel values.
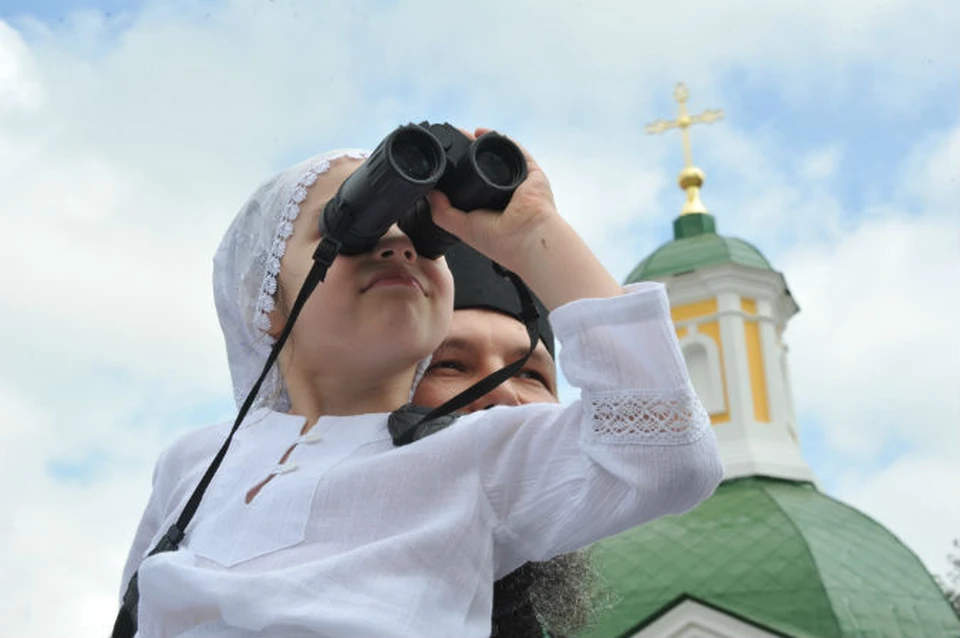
(695, 245)
(781, 554)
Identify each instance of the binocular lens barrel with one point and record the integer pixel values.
(428, 239)
(499, 161)
(485, 174)
(416, 155)
(399, 172)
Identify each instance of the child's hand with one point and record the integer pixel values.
(531, 238)
(500, 236)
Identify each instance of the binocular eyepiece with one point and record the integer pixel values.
(391, 186)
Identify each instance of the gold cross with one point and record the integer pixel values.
(684, 121)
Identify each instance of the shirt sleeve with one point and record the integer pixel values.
(636, 446)
(177, 470)
(147, 530)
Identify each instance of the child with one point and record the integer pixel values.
(317, 525)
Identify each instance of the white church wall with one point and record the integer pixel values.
(691, 619)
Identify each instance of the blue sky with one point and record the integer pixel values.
(52, 11)
(129, 140)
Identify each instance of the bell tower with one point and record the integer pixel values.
(730, 309)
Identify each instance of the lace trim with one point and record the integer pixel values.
(662, 418)
(291, 209)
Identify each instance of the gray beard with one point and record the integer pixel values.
(567, 591)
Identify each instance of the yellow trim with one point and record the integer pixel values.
(758, 382)
(712, 330)
(749, 305)
(682, 332)
(694, 310)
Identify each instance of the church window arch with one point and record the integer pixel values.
(703, 364)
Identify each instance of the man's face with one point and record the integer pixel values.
(479, 343)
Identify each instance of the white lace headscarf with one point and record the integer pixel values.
(245, 269)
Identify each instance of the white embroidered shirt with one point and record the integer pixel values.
(355, 537)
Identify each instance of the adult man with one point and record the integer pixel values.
(487, 334)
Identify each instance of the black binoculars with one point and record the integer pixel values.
(391, 186)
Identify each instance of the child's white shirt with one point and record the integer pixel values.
(356, 537)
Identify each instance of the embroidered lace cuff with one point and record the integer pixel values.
(646, 417)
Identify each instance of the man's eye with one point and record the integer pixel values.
(447, 364)
(527, 373)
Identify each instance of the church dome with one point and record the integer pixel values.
(780, 554)
(696, 244)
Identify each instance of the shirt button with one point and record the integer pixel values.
(286, 468)
(310, 437)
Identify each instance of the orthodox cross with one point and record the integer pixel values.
(684, 121)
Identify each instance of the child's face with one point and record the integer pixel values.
(389, 307)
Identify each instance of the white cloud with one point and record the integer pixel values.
(874, 350)
(820, 166)
(127, 143)
(18, 89)
(932, 171)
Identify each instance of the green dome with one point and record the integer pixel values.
(780, 554)
(696, 244)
